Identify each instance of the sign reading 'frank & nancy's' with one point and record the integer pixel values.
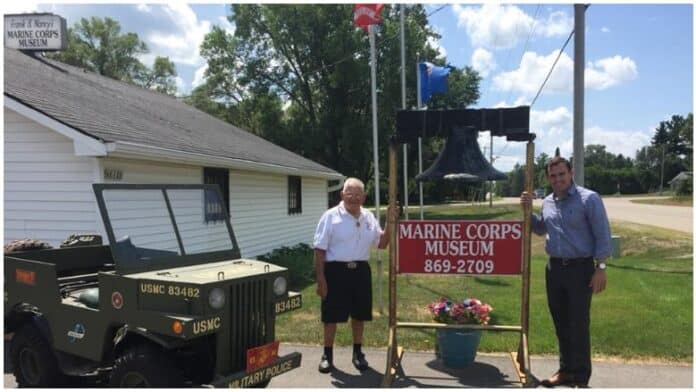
(460, 247)
(41, 32)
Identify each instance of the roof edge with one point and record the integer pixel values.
(121, 149)
(84, 145)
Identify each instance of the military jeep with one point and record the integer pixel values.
(169, 302)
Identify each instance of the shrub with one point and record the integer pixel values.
(298, 259)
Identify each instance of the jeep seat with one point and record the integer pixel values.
(90, 297)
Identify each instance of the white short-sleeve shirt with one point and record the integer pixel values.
(345, 238)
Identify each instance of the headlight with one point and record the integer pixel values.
(216, 298)
(280, 285)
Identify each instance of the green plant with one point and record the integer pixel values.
(298, 259)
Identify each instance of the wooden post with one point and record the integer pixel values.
(523, 362)
(393, 352)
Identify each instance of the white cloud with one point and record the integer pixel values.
(504, 26)
(625, 142)
(483, 61)
(435, 43)
(225, 24)
(605, 29)
(533, 69)
(599, 75)
(144, 8)
(558, 23)
(609, 72)
(199, 76)
(493, 25)
(181, 45)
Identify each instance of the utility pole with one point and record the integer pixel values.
(579, 96)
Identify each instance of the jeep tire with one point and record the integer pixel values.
(34, 363)
(145, 366)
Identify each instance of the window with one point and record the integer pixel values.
(212, 208)
(294, 195)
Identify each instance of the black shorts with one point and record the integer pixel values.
(349, 292)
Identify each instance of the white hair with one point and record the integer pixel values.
(352, 181)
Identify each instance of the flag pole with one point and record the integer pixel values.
(403, 104)
(373, 73)
(420, 146)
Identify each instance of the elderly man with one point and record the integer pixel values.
(577, 234)
(342, 244)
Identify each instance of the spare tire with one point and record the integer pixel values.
(25, 245)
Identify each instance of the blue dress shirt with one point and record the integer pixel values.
(575, 226)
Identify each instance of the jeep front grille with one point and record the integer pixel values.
(252, 319)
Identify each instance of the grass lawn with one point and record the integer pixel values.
(646, 311)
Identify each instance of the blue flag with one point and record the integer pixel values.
(433, 79)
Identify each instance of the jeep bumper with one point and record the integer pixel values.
(244, 379)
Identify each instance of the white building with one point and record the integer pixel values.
(65, 129)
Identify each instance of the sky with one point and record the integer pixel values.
(638, 61)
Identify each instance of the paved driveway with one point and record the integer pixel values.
(622, 209)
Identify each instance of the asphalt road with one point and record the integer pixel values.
(622, 209)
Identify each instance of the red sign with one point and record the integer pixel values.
(26, 277)
(460, 247)
(261, 356)
(367, 14)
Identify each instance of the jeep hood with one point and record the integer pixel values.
(210, 272)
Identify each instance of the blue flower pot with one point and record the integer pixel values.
(457, 347)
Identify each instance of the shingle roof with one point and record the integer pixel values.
(115, 111)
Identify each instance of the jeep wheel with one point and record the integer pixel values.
(145, 366)
(34, 364)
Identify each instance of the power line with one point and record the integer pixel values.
(552, 67)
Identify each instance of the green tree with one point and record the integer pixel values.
(671, 146)
(311, 66)
(98, 45)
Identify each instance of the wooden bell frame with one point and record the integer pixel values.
(520, 358)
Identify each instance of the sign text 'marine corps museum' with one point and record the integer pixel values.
(460, 247)
(42, 32)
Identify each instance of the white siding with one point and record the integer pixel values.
(258, 202)
(48, 190)
(259, 211)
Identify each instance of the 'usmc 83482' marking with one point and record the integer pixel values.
(168, 289)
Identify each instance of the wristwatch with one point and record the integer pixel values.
(602, 266)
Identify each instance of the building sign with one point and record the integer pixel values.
(460, 247)
(41, 32)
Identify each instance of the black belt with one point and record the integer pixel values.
(572, 260)
(349, 264)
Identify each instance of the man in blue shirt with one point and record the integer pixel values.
(577, 234)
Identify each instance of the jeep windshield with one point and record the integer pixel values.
(163, 226)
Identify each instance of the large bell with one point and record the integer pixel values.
(461, 160)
